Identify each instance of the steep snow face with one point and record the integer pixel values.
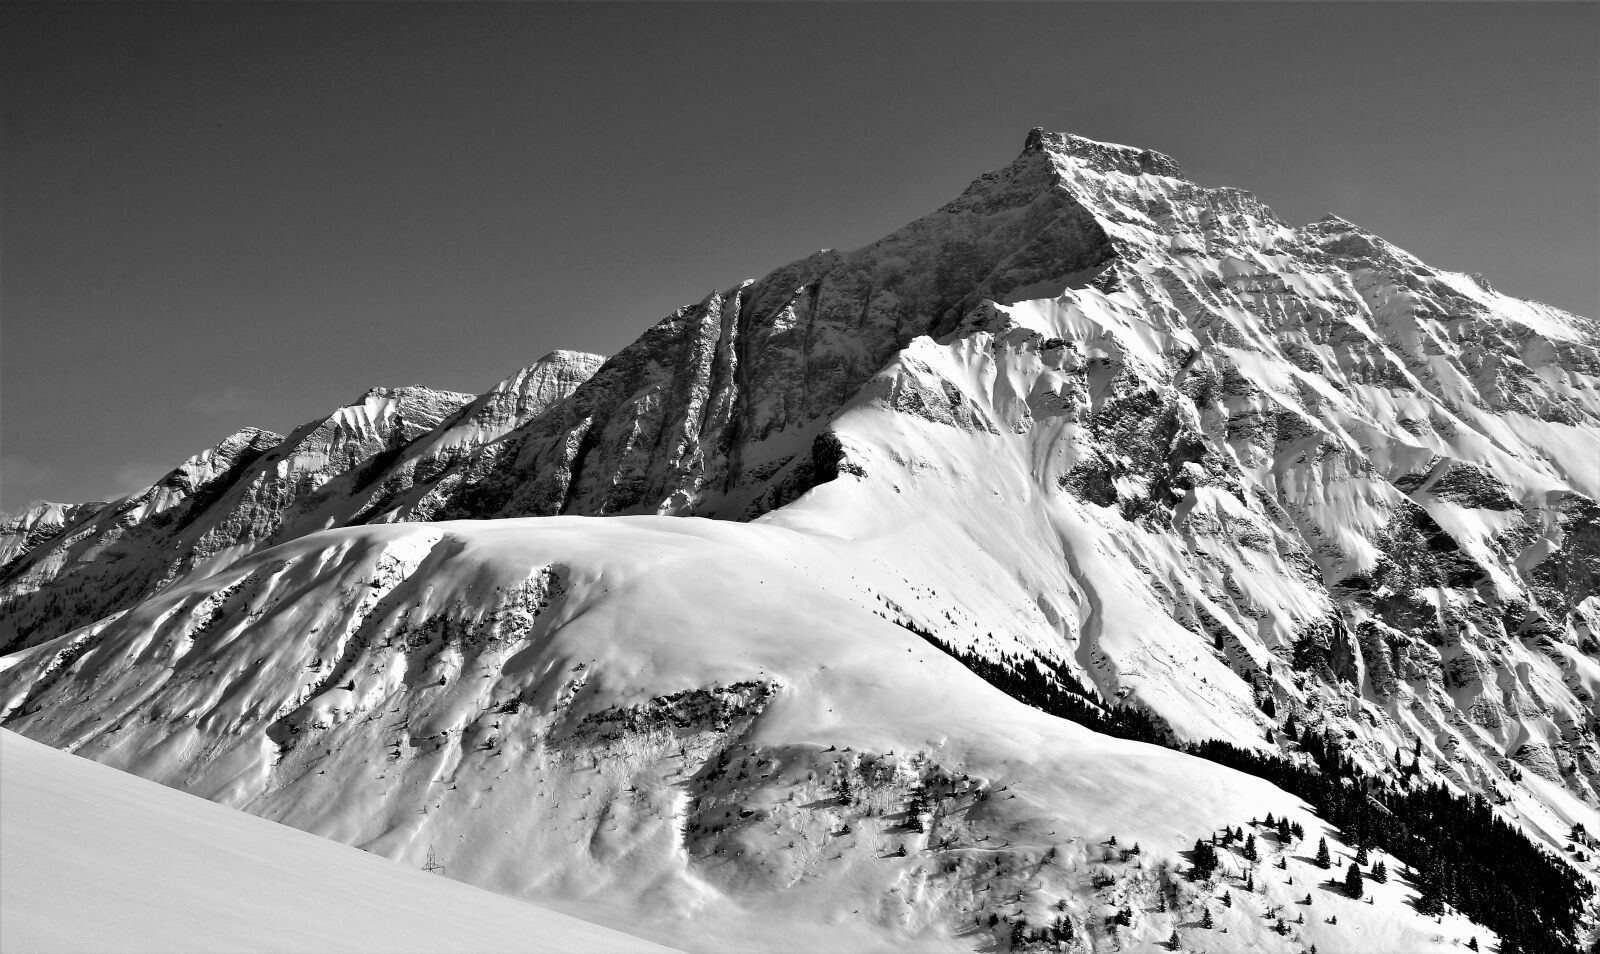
(217, 506)
(546, 708)
(171, 872)
(1056, 491)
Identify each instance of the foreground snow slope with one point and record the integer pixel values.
(710, 725)
(97, 860)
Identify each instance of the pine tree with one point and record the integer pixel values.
(1250, 853)
(1172, 942)
(1429, 901)
(1352, 881)
(1361, 854)
(1227, 899)
(1323, 860)
(1270, 822)
(1380, 872)
(1205, 918)
(1472, 945)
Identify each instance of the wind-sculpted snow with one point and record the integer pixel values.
(544, 708)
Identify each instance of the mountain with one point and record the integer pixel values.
(1286, 502)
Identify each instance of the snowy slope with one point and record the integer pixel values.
(659, 715)
(97, 860)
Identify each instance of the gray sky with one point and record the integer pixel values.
(222, 215)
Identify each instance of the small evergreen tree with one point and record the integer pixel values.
(1352, 881)
(1361, 854)
(1472, 945)
(1323, 859)
(1227, 899)
(1205, 918)
(1250, 853)
(1380, 872)
(1172, 942)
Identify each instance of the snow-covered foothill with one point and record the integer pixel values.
(706, 724)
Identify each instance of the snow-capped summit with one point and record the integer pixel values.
(1103, 156)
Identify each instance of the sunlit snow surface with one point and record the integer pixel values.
(96, 860)
(590, 791)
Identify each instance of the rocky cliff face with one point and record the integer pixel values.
(1090, 416)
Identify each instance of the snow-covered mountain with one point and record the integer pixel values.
(1090, 426)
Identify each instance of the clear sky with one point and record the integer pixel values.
(219, 215)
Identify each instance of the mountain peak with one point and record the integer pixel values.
(1102, 156)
